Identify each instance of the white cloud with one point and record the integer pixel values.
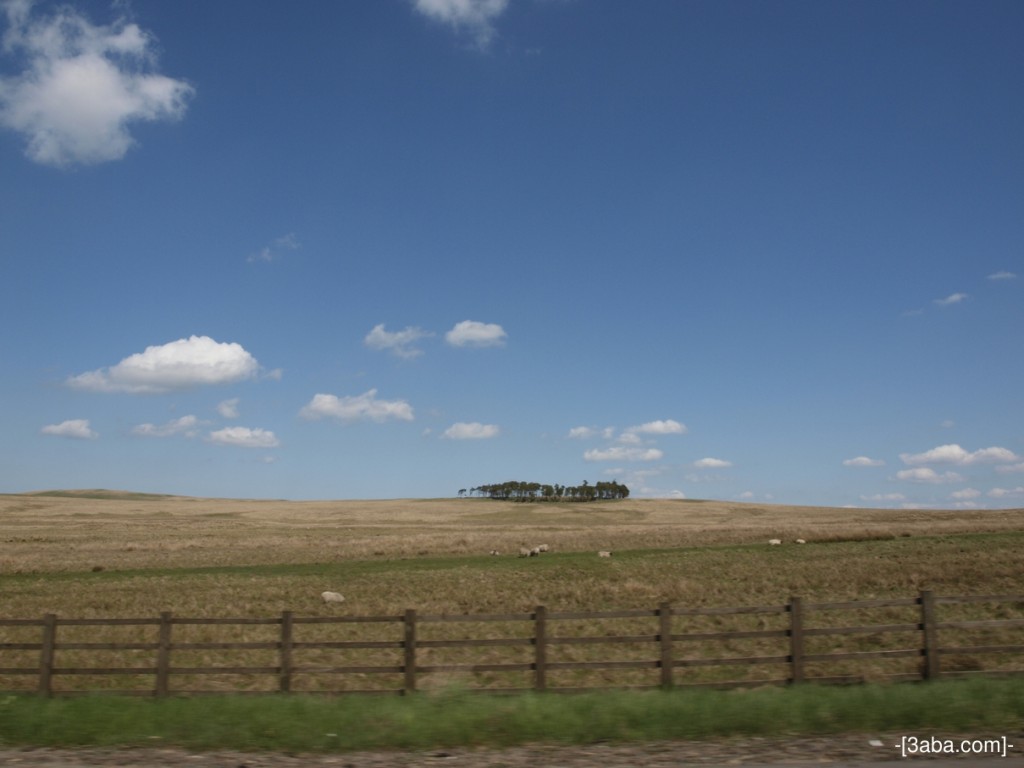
(77, 429)
(186, 425)
(710, 463)
(1008, 468)
(1002, 493)
(83, 85)
(1003, 275)
(364, 407)
(618, 453)
(475, 16)
(470, 333)
(953, 298)
(398, 342)
(928, 475)
(473, 430)
(954, 454)
(228, 409)
(863, 461)
(666, 427)
(630, 438)
(181, 364)
(276, 249)
(582, 433)
(244, 437)
(884, 497)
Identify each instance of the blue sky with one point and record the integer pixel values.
(735, 250)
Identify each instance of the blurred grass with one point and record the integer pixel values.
(454, 718)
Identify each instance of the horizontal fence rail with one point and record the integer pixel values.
(794, 640)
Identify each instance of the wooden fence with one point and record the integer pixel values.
(671, 659)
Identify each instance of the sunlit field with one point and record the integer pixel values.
(102, 554)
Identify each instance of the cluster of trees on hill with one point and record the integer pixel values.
(518, 490)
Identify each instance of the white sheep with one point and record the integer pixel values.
(604, 553)
(800, 541)
(543, 548)
(524, 552)
(775, 542)
(495, 552)
(535, 552)
(332, 597)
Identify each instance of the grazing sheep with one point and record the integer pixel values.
(800, 541)
(535, 552)
(604, 553)
(332, 597)
(543, 548)
(775, 542)
(495, 552)
(523, 552)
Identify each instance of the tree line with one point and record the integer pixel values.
(518, 490)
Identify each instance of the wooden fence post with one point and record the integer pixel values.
(665, 641)
(930, 632)
(796, 640)
(410, 651)
(46, 655)
(285, 679)
(540, 641)
(163, 655)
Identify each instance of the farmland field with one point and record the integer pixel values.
(105, 554)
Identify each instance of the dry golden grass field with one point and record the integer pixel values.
(90, 554)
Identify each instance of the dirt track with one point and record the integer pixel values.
(835, 751)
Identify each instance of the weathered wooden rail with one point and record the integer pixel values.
(673, 654)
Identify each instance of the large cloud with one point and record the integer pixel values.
(77, 429)
(471, 333)
(954, 454)
(181, 364)
(474, 16)
(82, 86)
(364, 407)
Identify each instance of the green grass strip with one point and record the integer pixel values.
(320, 724)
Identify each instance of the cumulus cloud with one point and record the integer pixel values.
(475, 17)
(470, 333)
(1002, 493)
(364, 407)
(582, 433)
(928, 475)
(710, 463)
(399, 343)
(276, 249)
(954, 454)
(863, 461)
(472, 430)
(83, 85)
(620, 453)
(186, 425)
(244, 437)
(228, 409)
(953, 298)
(666, 427)
(181, 364)
(76, 429)
(1003, 275)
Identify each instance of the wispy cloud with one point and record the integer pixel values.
(399, 343)
(471, 333)
(186, 425)
(1003, 275)
(181, 364)
(711, 463)
(927, 475)
(952, 299)
(472, 430)
(83, 85)
(364, 407)
(276, 249)
(621, 453)
(863, 461)
(76, 429)
(475, 17)
(228, 409)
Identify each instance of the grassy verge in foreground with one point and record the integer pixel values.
(310, 724)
